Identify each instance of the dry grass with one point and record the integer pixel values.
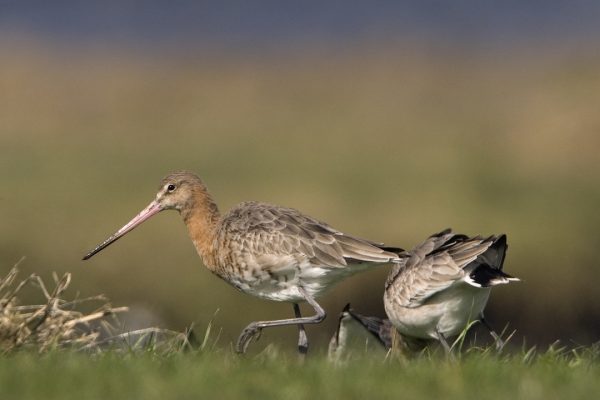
(52, 324)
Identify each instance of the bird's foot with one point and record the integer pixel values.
(252, 331)
(302, 343)
(303, 348)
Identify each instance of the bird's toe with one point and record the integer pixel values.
(250, 332)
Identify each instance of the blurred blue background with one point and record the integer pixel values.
(262, 24)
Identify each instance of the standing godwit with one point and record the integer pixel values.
(271, 252)
(444, 284)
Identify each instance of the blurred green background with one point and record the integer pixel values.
(391, 139)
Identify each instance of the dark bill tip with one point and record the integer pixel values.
(101, 246)
(146, 213)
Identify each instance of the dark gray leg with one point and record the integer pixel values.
(302, 338)
(255, 328)
(444, 342)
(497, 339)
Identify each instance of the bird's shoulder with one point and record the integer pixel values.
(262, 228)
(254, 216)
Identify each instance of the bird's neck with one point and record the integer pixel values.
(202, 219)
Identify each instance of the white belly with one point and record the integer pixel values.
(449, 312)
(284, 285)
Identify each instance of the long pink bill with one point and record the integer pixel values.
(152, 209)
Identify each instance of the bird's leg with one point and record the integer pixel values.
(256, 327)
(302, 338)
(445, 344)
(443, 341)
(499, 342)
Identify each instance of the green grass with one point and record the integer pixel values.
(552, 375)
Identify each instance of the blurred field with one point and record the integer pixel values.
(391, 143)
(225, 376)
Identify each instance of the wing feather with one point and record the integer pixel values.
(434, 265)
(268, 229)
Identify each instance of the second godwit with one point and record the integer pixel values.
(268, 251)
(445, 284)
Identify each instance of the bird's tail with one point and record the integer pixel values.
(489, 271)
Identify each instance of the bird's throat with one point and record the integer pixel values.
(202, 219)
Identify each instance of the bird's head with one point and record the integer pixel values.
(177, 191)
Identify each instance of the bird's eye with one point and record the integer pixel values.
(171, 187)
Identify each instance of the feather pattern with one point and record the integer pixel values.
(436, 264)
(444, 283)
(265, 249)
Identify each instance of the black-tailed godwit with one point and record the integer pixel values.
(268, 251)
(445, 284)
